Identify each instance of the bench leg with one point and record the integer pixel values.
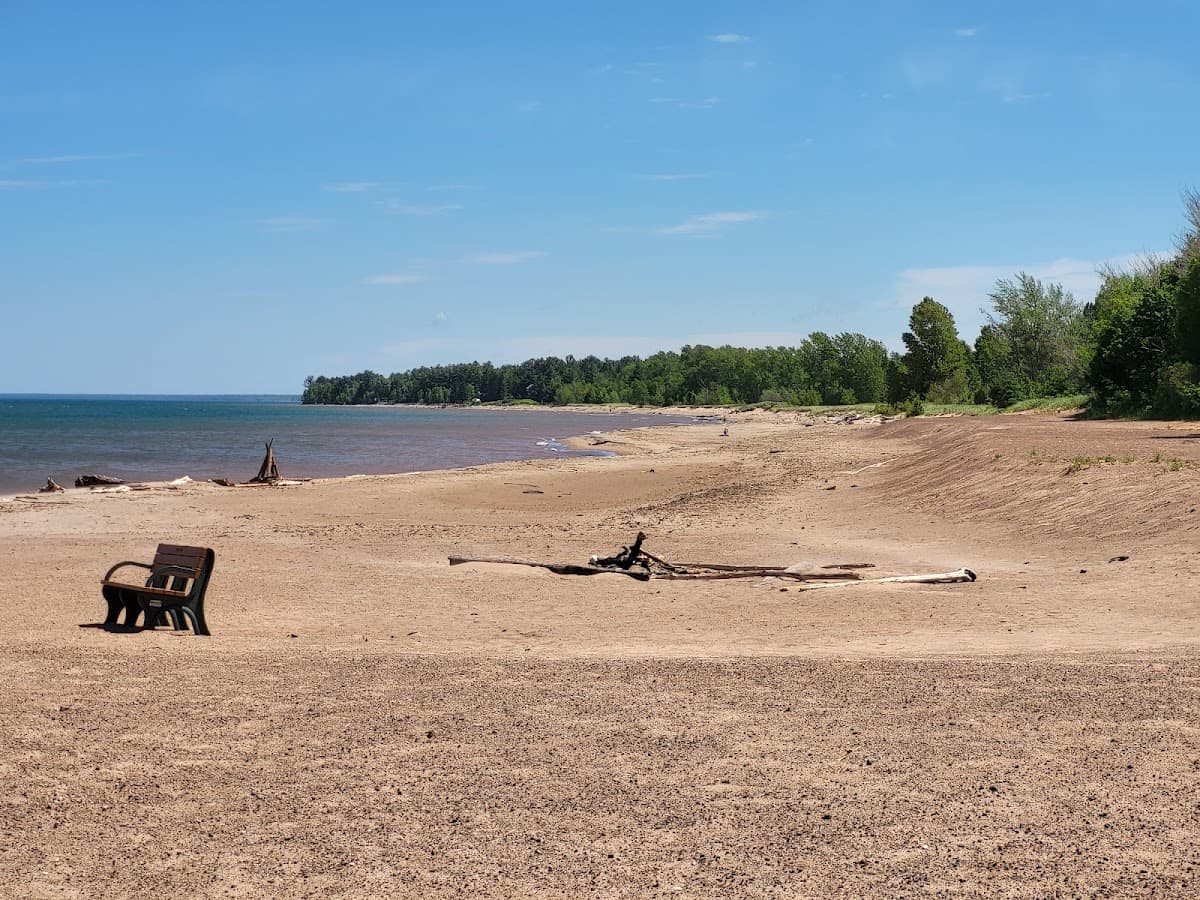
(196, 616)
(118, 600)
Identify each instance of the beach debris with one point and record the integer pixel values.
(556, 568)
(224, 482)
(637, 562)
(52, 487)
(268, 472)
(956, 576)
(111, 489)
(94, 480)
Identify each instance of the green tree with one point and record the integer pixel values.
(936, 359)
(1133, 336)
(1044, 328)
(1187, 313)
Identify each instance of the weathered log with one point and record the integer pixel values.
(556, 568)
(958, 575)
(752, 572)
(93, 480)
(223, 482)
(268, 473)
(52, 487)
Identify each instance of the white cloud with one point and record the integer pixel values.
(439, 318)
(290, 223)
(351, 187)
(504, 258)
(401, 278)
(677, 176)
(729, 38)
(407, 209)
(964, 289)
(710, 223)
(967, 32)
(529, 105)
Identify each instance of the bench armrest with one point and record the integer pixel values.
(127, 562)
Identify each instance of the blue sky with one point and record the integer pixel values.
(224, 200)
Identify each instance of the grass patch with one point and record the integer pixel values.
(1050, 404)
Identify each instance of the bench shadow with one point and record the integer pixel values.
(114, 629)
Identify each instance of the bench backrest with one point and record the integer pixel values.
(197, 560)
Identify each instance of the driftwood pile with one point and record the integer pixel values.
(638, 563)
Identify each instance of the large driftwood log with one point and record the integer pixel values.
(93, 480)
(556, 568)
(958, 575)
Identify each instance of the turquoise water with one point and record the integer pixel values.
(160, 438)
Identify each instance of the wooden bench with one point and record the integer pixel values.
(176, 585)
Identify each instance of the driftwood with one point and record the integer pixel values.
(52, 487)
(958, 575)
(642, 565)
(752, 572)
(223, 482)
(268, 472)
(93, 480)
(624, 559)
(556, 568)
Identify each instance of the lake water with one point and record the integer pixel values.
(161, 438)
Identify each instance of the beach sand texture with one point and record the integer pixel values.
(367, 721)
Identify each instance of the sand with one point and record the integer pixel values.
(367, 721)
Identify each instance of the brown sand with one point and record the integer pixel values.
(367, 721)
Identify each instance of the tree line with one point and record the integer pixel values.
(1134, 348)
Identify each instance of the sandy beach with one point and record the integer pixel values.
(368, 721)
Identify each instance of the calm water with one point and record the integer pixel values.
(161, 438)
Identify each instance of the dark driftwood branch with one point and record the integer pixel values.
(93, 480)
(627, 557)
(556, 568)
(268, 473)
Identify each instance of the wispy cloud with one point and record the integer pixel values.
(528, 106)
(71, 158)
(434, 349)
(711, 223)
(729, 37)
(27, 184)
(439, 318)
(397, 279)
(510, 258)
(351, 187)
(706, 103)
(454, 187)
(677, 176)
(290, 223)
(411, 209)
(967, 32)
